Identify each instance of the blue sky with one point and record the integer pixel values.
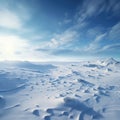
(59, 30)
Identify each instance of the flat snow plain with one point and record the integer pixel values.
(60, 91)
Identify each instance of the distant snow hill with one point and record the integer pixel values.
(110, 61)
(27, 65)
(88, 90)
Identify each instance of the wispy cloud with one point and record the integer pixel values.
(114, 32)
(63, 39)
(94, 8)
(111, 47)
(95, 44)
(89, 9)
(114, 6)
(66, 20)
(97, 38)
(110, 50)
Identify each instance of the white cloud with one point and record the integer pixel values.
(10, 19)
(62, 39)
(94, 31)
(111, 47)
(67, 21)
(99, 38)
(95, 44)
(89, 9)
(92, 8)
(114, 33)
(23, 12)
(114, 6)
(13, 15)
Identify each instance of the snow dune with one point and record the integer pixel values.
(60, 91)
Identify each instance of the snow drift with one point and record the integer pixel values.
(60, 91)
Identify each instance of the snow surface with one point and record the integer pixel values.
(60, 91)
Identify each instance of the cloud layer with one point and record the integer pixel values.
(81, 29)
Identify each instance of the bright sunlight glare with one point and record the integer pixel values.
(9, 45)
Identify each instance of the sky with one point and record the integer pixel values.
(59, 30)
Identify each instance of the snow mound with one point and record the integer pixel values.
(80, 106)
